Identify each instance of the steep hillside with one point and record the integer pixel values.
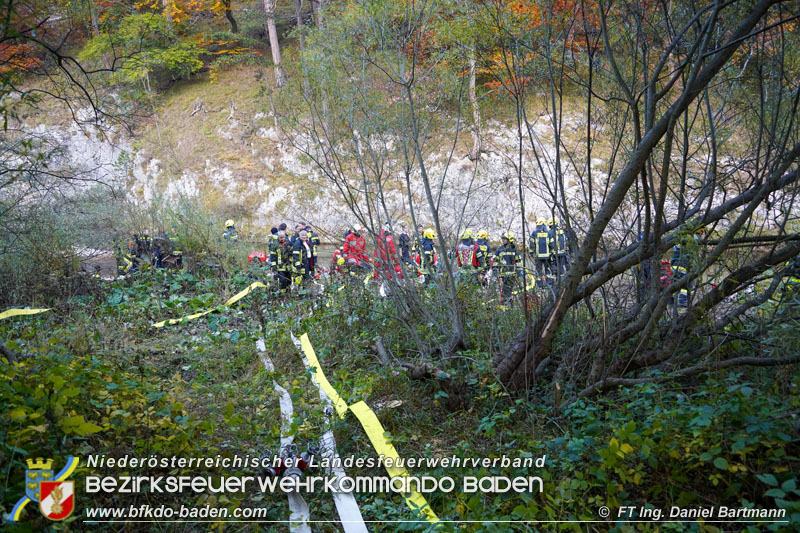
(219, 140)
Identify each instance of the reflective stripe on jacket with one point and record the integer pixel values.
(542, 245)
(508, 257)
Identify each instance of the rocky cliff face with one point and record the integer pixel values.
(243, 166)
(90, 154)
(220, 142)
(286, 186)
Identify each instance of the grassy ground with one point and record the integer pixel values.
(199, 389)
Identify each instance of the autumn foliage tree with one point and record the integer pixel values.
(155, 40)
(656, 86)
(674, 86)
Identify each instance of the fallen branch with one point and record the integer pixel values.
(198, 107)
(455, 389)
(423, 371)
(383, 355)
(608, 383)
(10, 355)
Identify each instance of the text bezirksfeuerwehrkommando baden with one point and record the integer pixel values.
(403, 483)
(310, 484)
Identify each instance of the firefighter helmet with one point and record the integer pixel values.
(229, 223)
(483, 234)
(429, 233)
(467, 234)
(508, 235)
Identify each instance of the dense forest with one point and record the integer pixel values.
(555, 242)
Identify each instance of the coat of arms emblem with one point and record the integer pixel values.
(38, 470)
(56, 495)
(57, 499)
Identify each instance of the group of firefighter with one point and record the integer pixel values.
(160, 251)
(294, 259)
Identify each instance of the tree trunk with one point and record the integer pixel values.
(96, 31)
(316, 6)
(456, 320)
(298, 13)
(10, 355)
(229, 16)
(269, 9)
(316, 10)
(382, 353)
(516, 364)
(475, 153)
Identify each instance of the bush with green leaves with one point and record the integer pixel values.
(94, 377)
(38, 264)
(656, 444)
(66, 396)
(101, 378)
(148, 47)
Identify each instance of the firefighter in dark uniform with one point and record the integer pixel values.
(314, 240)
(484, 252)
(272, 244)
(128, 261)
(273, 237)
(558, 247)
(507, 261)
(230, 233)
(280, 260)
(539, 244)
(427, 259)
(301, 258)
(404, 242)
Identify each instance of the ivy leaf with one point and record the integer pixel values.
(16, 413)
(87, 428)
(70, 392)
(769, 479)
(57, 382)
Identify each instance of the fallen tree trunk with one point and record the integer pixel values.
(10, 355)
(676, 340)
(383, 355)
